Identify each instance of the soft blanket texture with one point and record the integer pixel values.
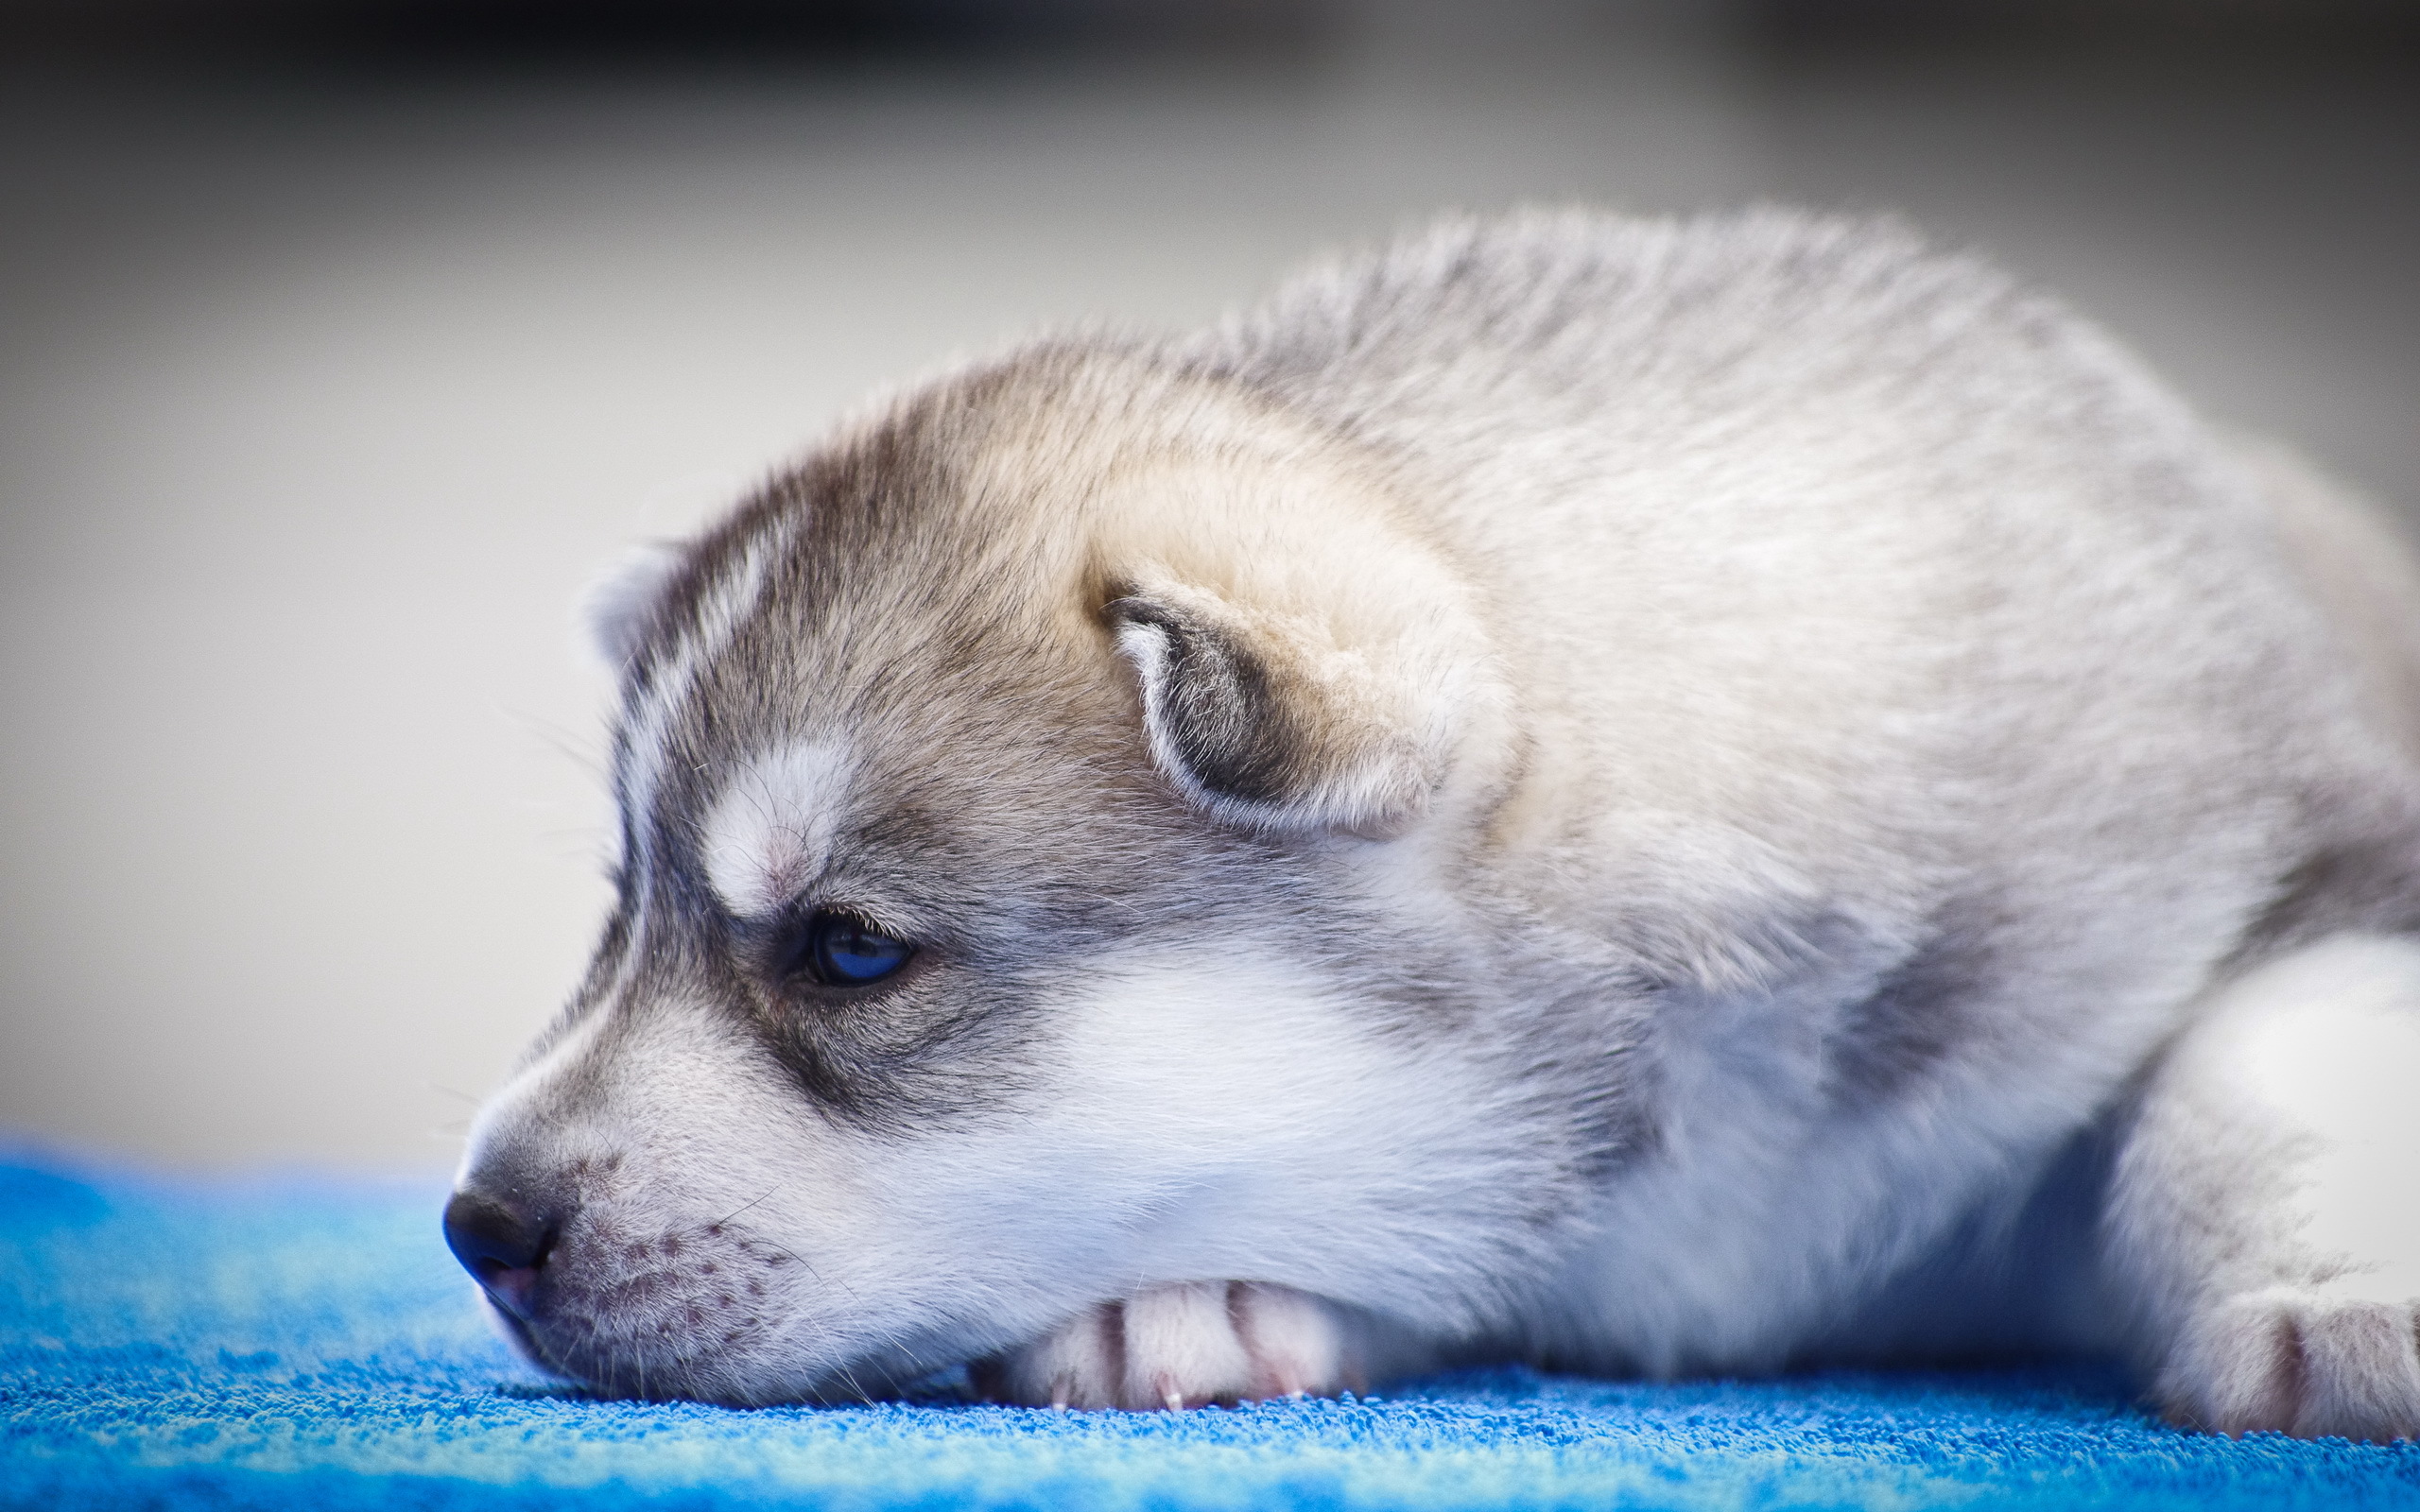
(298, 1343)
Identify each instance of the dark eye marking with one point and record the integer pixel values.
(833, 949)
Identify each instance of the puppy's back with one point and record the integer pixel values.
(1801, 530)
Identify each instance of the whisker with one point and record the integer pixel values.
(851, 1377)
(577, 746)
(744, 1206)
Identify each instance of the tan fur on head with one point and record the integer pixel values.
(1307, 658)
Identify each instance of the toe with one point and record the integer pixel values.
(1182, 1350)
(1081, 1364)
(1294, 1343)
(2360, 1373)
(2238, 1369)
(2298, 1361)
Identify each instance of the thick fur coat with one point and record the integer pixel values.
(1650, 795)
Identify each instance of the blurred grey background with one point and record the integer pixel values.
(344, 340)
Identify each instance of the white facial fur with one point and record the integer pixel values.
(722, 607)
(770, 834)
(1204, 1118)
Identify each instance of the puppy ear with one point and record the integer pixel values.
(620, 605)
(1264, 721)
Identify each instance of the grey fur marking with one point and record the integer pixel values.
(1919, 1014)
(1230, 732)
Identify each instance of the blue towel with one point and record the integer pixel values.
(294, 1343)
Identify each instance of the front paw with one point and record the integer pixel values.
(1183, 1345)
(2300, 1360)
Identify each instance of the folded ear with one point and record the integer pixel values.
(1275, 722)
(621, 604)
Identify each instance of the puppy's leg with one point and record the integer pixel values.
(1183, 1345)
(2264, 1219)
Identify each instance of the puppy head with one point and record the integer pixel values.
(1001, 927)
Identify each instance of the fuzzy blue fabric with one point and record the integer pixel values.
(289, 1343)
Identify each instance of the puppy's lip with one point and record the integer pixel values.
(511, 1288)
(518, 1326)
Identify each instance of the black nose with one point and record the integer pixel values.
(501, 1243)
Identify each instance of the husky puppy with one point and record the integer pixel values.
(1645, 796)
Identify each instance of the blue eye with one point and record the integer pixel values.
(840, 951)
